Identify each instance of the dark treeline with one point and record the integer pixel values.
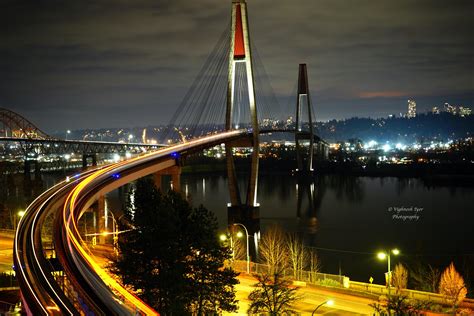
(422, 128)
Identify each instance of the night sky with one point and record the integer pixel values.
(93, 64)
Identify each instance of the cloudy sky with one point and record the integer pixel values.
(91, 64)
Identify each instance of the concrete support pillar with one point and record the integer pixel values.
(99, 213)
(174, 172)
(27, 167)
(176, 179)
(85, 160)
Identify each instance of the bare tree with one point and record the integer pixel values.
(452, 286)
(425, 278)
(297, 254)
(272, 249)
(400, 277)
(314, 264)
(239, 251)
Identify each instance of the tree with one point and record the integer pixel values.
(172, 258)
(273, 249)
(400, 277)
(212, 285)
(425, 278)
(314, 264)
(239, 246)
(401, 305)
(273, 295)
(452, 286)
(297, 254)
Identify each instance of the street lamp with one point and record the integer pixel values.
(114, 231)
(247, 234)
(20, 214)
(386, 255)
(328, 303)
(67, 133)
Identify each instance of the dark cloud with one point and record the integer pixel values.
(74, 64)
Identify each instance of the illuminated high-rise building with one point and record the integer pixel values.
(435, 110)
(464, 111)
(450, 109)
(411, 109)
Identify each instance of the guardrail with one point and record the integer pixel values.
(300, 275)
(343, 282)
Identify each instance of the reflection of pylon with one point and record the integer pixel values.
(240, 52)
(303, 96)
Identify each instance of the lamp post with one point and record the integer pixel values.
(20, 215)
(386, 255)
(223, 238)
(247, 234)
(114, 232)
(328, 302)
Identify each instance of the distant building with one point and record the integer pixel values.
(450, 109)
(435, 110)
(457, 110)
(289, 121)
(464, 111)
(411, 109)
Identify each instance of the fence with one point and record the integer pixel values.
(299, 275)
(343, 282)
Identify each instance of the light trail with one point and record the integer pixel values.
(70, 209)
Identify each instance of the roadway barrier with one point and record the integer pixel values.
(309, 277)
(412, 294)
(343, 282)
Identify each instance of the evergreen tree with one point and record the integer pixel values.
(172, 257)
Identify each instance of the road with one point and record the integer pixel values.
(6, 252)
(310, 298)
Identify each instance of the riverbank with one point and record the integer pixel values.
(431, 174)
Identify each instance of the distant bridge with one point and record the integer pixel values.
(20, 134)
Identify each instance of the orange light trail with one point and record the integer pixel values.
(107, 279)
(77, 242)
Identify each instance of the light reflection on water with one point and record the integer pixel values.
(350, 217)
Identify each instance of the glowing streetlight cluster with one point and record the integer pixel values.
(382, 255)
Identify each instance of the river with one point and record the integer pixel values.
(346, 218)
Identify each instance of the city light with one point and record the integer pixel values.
(21, 213)
(223, 237)
(371, 144)
(386, 148)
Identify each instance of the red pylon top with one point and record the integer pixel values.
(239, 49)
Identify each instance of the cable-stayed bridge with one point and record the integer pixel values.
(225, 105)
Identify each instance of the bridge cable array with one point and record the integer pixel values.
(203, 108)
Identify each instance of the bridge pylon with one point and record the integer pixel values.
(303, 100)
(240, 52)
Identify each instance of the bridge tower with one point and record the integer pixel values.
(240, 53)
(303, 100)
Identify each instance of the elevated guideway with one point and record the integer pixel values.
(90, 288)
